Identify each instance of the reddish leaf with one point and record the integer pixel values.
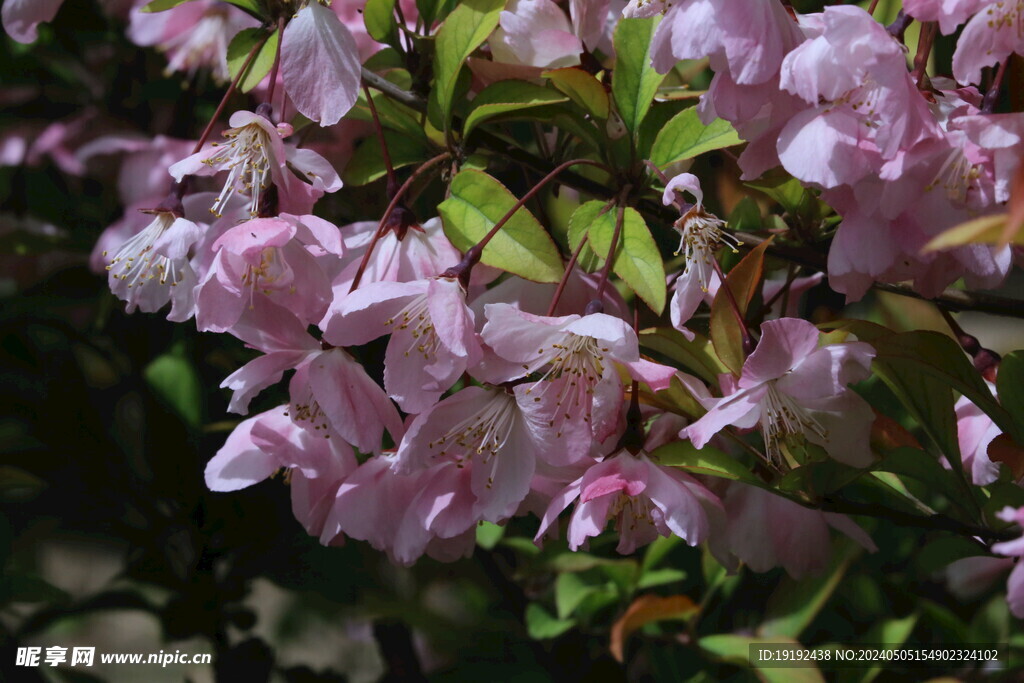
(1003, 449)
(743, 281)
(644, 610)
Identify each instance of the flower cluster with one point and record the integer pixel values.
(503, 394)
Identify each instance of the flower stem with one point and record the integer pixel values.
(385, 155)
(986, 361)
(277, 65)
(924, 49)
(988, 104)
(383, 225)
(565, 278)
(228, 93)
(597, 305)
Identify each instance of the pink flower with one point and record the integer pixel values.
(975, 431)
(21, 17)
(320, 64)
(152, 267)
(766, 530)
(579, 393)
(255, 158)
(429, 511)
(747, 39)
(701, 234)
(793, 387)
(641, 9)
(484, 431)
(1015, 548)
(270, 441)
(990, 37)
(194, 35)
(969, 577)
(865, 107)
(949, 13)
(330, 392)
(535, 33)
(267, 257)
(432, 335)
(646, 500)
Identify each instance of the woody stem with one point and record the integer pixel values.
(227, 95)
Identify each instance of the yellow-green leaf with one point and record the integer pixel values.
(637, 259)
(238, 52)
(584, 89)
(477, 202)
(685, 137)
(506, 96)
(634, 82)
(462, 32)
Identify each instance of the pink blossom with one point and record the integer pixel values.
(21, 17)
(701, 234)
(579, 393)
(642, 9)
(143, 173)
(330, 392)
(791, 386)
(646, 500)
(766, 530)
(429, 511)
(194, 35)
(152, 267)
(865, 107)
(975, 431)
(747, 39)
(255, 158)
(1015, 549)
(949, 13)
(432, 342)
(969, 577)
(535, 33)
(484, 431)
(320, 64)
(267, 257)
(990, 37)
(270, 441)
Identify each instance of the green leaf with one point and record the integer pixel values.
(238, 52)
(922, 466)
(697, 356)
(795, 603)
(743, 281)
(707, 460)
(634, 81)
(465, 29)
(174, 379)
(19, 486)
(379, 18)
(392, 114)
(434, 10)
(506, 96)
(17, 586)
(163, 5)
(541, 626)
(660, 577)
(477, 202)
(637, 258)
(787, 191)
(367, 164)
(685, 137)
(1010, 387)
(570, 591)
(582, 88)
(735, 649)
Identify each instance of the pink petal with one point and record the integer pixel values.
(240, 463)
(320, 64)
(21, 17)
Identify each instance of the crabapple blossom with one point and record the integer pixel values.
(261, 445)
(267, 257)
(991, 36)
(791, 386)
(975, 431)
(483, 431)
(432, 337)
(330, 392)
(535, 33)
(700, 235)
(1015, 549)
(22, 17)
(194, 35)
(579, 393)
(256, 158)
(949, 13)
(645, 499)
